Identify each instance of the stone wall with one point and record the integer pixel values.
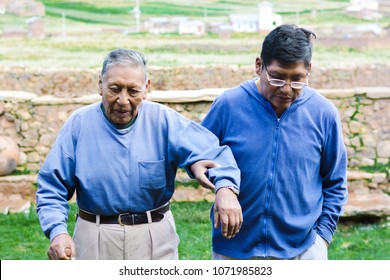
(78, 82)
(34, 121)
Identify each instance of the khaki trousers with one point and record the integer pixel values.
(154, 241)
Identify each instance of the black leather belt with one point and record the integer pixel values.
(128, 219)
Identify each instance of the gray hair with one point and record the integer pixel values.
(124, 57)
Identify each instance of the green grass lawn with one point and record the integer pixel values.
(22, 239)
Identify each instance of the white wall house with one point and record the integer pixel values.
(268, 20)
(366, 9)
(244, 22)
(24, 8)
(263, 21)
(357, 5)
(181, 25)
(161, 25)
(195, 27)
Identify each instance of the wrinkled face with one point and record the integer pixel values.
(281, 97)
(122, 88)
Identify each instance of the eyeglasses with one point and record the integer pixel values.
(280, 83)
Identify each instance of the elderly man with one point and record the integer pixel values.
(120, 156)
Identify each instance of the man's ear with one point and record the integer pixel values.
(100, 86)
(258, 65)
(147, 90)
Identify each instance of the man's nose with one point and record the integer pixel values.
(286, 88)
(123, 97)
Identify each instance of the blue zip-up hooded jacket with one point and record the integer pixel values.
(293, 171)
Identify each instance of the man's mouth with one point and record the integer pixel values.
(284, 97)
(122, 113)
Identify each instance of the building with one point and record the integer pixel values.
(24, 8)
(3, 6)
(244, 22)
(365, 9)
(268, 20)
(159, 25)
(263, 21)
(195, 27)
(33, 11)
(36, 27)
(363, 4)
(384, 7)
(181, 25)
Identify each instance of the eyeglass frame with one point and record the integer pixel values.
(301, 85)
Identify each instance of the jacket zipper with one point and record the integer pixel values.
(270, 185)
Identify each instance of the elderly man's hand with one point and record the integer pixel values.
(199, 169)
(227, 212)
(62, 248)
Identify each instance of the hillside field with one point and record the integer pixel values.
(78, 34)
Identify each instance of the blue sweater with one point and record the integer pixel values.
(123, 170)
(293, 170)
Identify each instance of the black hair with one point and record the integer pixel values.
(286, 44)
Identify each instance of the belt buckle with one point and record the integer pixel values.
(120, 219)
(125, 214)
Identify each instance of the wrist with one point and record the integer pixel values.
(231, 188)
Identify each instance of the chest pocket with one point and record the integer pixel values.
(152, 174)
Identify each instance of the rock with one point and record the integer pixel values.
(367, 162)
(4, 204)
(19, 206)
(379, 177)
(13, 204)
(355, 127)
(358, 175)
(375, 203)
(9, 155)
(384, 149)
(22, 185)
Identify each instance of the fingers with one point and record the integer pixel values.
(230, 224)
(199, 170)
(200, 167)
(205, 182)
(209, 164)
(71, 250)
(70, 254)
(237, 225)
(62, 248)
(52, 254)
(216, 218)
(234, 225)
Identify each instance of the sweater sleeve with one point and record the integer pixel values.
(334, 181)
(197, 143)
(56, 185)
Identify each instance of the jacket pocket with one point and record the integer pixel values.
(152, 174)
